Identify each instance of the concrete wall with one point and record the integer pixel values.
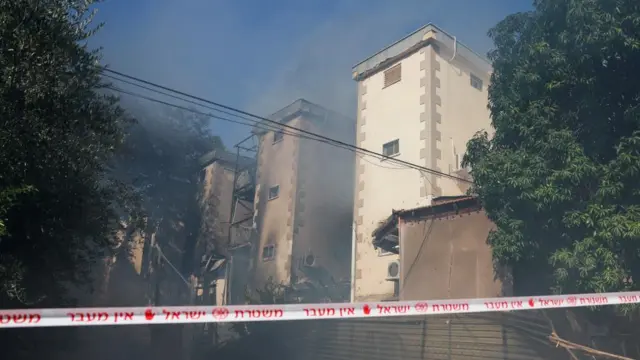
(462, 112)
(323, 210)
(386, 114)
(447, 257)
(277, 165)
(313, 212)
(433, 111)
(216, 192)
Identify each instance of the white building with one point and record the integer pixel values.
(420, 100)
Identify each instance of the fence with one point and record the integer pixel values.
(521, 336)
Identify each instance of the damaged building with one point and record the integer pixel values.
(291, 210)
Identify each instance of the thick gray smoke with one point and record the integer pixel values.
(264, 56)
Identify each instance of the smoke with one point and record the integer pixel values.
(261, 56)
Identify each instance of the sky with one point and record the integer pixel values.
(261, 55)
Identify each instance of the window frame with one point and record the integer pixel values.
(475, 80)
(277, 194)
(278, 136)
(265, 249)
(382, 252)
(396, 144)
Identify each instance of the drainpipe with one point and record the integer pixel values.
(455, 48)
(353, 262)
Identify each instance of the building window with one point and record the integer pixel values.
(393, 75)
(268, 252)
(274, 191)
(476, 82)
(392, 148)
(278, 135)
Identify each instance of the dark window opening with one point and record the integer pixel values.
(268, 252)
(391, 148)
(476, 82)
(278, 136)
(274, 191)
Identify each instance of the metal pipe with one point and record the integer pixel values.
(353, 262)
(455, 48)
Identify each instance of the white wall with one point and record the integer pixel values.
(433, 111)
(386, 114)
(464, 112)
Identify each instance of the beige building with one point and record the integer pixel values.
(303, 202)
(216, 203)
(443, 251)
(419, 100)
(444, 255)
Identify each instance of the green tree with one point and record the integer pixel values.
(560, 175)
(59, 205)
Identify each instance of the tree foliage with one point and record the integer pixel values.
(58, 130)
(560, 175)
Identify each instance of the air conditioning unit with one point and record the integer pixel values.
(309, 260)
(393, 270)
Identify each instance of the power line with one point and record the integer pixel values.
(266, 128)
(281, 125)
(253, 123)
(262, 127)
(179, 98)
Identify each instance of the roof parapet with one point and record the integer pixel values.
(411, 43)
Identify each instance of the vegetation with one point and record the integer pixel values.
(58, 204)
(74, 166)
(560, 175)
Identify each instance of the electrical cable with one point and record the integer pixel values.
(264, 127)
(261, 126)
(269, 121)
(253, 123)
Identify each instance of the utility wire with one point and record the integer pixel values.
(280, 125)
(253, 123)
(260, 126)
(264, 127)
(422, 174)
(179, 98)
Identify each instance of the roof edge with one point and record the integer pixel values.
(439, 205)
(429, 31)
(296, 109)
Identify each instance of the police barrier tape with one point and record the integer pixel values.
(246, 313)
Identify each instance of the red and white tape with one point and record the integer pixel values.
(246, 313)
